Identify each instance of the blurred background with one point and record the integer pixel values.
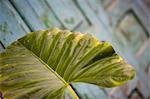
(124, 23)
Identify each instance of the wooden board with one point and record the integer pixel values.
(97, 7)
(143, 14)
(89, 91)
(67, 13)
(132, 31)
(115, 9)
(36, 14)
(12, 26)
(97, 27)
(44, 13)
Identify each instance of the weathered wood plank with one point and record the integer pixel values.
(11, 25)
(115, 93)
(143, 14)
(66, 12)
(89, 91)
(132, 31)
(29, 14)
(116, 9)
(97, 8)
(44, 13)
(143, 54)
(97, 28)
(148, 69)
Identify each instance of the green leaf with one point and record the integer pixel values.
(43, 64)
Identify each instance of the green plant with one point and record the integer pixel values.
(44, 63)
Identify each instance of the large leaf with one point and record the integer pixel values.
(44, 63)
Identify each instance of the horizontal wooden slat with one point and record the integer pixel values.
(30, 15)
(143, 14)
(97, 7)
(12, 26)
(117, 9)
(143, 54)
(44, 13)
(97, 27)
(67, 13)
(89, 91)
(132, 31)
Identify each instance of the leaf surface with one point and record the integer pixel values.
(44, 63)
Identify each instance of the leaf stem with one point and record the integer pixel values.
(72, 92)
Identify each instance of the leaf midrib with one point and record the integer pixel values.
(55, 73)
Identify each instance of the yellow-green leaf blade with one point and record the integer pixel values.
(108, 72)
(23, 75)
